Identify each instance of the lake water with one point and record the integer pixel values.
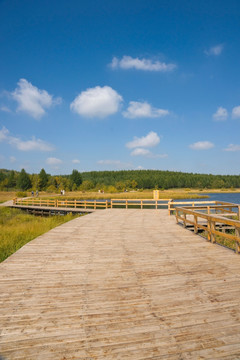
(228, 197)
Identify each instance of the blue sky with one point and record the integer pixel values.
(109, 85)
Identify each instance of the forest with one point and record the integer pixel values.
(113, 181)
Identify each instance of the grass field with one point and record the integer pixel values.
(18, 228)
(7, 195)
(146, 194)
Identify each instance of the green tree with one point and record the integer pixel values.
(76, 178)
(23, 181)
(43, 179)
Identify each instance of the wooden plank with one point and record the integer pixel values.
(120, 284)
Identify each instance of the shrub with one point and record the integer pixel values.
(21, 194)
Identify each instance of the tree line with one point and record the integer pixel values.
(114, 180)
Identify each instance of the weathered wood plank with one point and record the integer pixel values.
(120, 284)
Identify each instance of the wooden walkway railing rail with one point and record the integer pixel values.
(214, 220)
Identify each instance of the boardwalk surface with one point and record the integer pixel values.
(120, 284)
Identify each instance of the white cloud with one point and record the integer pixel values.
(232, 147)
(12, 159)
(76, 161)
(236, 112)
(143, 109)
(29, 145)
(221, 114)
(147, 153)
(97, 102)
(150, 140)
(202, 145)
(53, 161)
(141, 152)
(215, 50)
(4, 134)
(32, 100)
(5, 109)
(127, 62)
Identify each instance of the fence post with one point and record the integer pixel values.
(95, 204)
(111, 204)
(239, 212)
(195, 224)
(126, 204)
(209, 230)
(169, 206)
(237, 243)
(141, 204)
(208, 210)
(156, 204)
(213, 236)
(184, 220)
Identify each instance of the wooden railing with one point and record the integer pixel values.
(139, 203)
(212, 223)
(86, 204)
(113, 203)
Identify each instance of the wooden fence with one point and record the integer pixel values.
(214, 220)
(113, 203)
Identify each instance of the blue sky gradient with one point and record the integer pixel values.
(80, 80)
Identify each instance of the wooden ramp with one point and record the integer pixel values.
(120, 284)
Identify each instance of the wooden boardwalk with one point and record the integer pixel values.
(120, 284)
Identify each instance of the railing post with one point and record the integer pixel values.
(156, 204)
(141, 204)
(239, 212)
(106, 204)
(209, 230)
(195, 224)
(95, 204)
(213, 228)
(111, 204)
(208, 210)
(184, 220)
(126, 204)
(85, 204)
(237, 242)
(177, 216)
(75, 203)
(169, 206)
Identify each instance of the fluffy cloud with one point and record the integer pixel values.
(143, 109)
(53, 161)
(221, 114)
(76, 161)
(141, 152)
(236, 112)
(5, 109)
(150, 140)
(97, 102)
(202, 145)
(32, 100)
(232, 147)
(215, 50)
(147, 153)
(127, 62)
(29, 145)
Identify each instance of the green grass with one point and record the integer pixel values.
(18, 228)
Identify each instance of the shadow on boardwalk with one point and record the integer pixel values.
(120, 284)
